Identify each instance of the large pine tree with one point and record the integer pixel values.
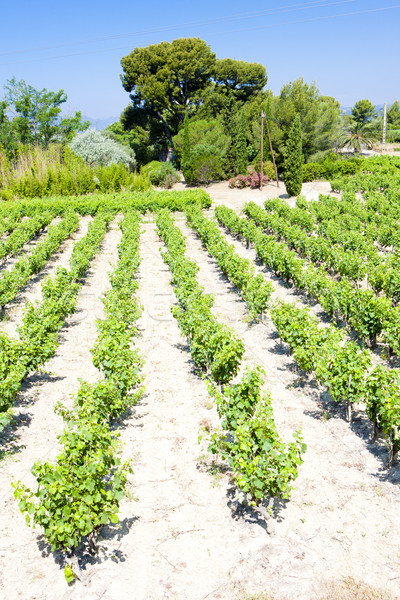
(293, 164)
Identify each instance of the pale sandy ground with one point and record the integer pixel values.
(181, 536)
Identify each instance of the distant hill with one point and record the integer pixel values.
(100, 124)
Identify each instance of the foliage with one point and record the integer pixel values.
(186, 145)
(97, 149)
(383, 405)
(161, 174)
(393, 115)
(205, 165)
(363, 111)
(254, 289)
(141, 140)
(261, 463)
(209, 132)
(359, 134)
(293, 164)
(241, 146)
(74, 498)
(214, 347)
(320, 116)
(36, 115)
(81, 491)
(12, 280)
(229, 116)
(56, 170)
(240, 78)
(166, 78)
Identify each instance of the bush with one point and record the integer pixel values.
(251, 180)
(6, 195)
(393, 136)
(210, 132)
(268, 167)
(312, 171)
(332, 166)
(98, 149)
(161, 174)
(205, 165)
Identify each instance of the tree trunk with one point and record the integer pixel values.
(167, 130)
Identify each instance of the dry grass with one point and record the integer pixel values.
(350, 589)
(347, 589)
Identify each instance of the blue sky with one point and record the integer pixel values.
(349, 48)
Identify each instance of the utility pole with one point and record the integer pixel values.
(384, 129)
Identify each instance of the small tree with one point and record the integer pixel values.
(241, 146)
(363, 112)
(293, 163)
(393, 115)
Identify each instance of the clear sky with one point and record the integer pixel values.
(349, 48)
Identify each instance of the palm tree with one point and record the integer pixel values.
(359, 135)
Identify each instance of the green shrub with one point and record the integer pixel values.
(268, 167)
(162, 174)
(6, 195)
(205, 165)
(210, 132)
(312, 171)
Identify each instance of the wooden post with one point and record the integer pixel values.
(262, 147)
(270, 146)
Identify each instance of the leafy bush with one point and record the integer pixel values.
(209, 132)
(312, 171)
(205, 165)
(268, 167)
(161, 174)
(98, 149)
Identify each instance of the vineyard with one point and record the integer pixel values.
(200, 393)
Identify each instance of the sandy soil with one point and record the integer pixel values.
(181, 534)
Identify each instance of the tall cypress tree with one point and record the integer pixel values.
(185, 160)
(293, 163)
(228, 121)
(241, 146)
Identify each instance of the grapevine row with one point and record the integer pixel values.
(341, 366)
(24, 232)
(262, 464)
(81, 491)
(254, 289)
(38, 335)
(368, 315)
(11, 281)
